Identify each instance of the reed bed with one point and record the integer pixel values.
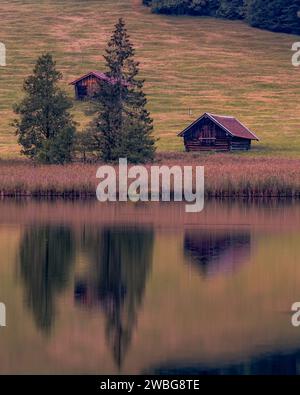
(225, 176)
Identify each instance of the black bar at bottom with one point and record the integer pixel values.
(132, 384)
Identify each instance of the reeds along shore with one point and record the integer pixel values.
(225, 176)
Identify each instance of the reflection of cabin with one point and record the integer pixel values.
(217, 252)
(87, 85)
(217, 133)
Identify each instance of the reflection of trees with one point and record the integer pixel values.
(215, 252)
(121, 263)
(45, 258)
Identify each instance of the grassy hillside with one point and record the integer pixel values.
(202, 64)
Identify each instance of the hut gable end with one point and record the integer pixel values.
(89, 84)
(205, 128)
(218, 133)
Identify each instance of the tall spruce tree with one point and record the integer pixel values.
(45, 128)
(122, 126)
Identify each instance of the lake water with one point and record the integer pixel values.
(146, 288)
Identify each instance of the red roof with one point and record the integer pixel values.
(97, 74)
(229, 124)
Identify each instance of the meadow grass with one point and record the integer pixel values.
(201, 64)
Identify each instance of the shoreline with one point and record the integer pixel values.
(83, 196)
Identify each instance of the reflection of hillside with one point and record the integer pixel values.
(120, 264)
(271, 364)
(215, 252)
(45, 258)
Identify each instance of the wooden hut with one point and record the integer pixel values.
(213, 132)
(87, 85)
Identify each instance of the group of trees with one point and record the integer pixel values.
(275, 15)
(121, 127)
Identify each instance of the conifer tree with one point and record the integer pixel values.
(276, 15)
(122, 126)
(231, 9)
(45, 128)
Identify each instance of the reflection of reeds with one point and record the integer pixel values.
(225, 175)
(218, 214)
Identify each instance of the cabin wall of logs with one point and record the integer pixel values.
(208, 136)
(86, 87)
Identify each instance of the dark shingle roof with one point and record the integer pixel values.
(97, 74)
(229, 124)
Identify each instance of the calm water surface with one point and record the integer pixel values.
(91, 288)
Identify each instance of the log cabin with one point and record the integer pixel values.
(213, 132)
(89, 84)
